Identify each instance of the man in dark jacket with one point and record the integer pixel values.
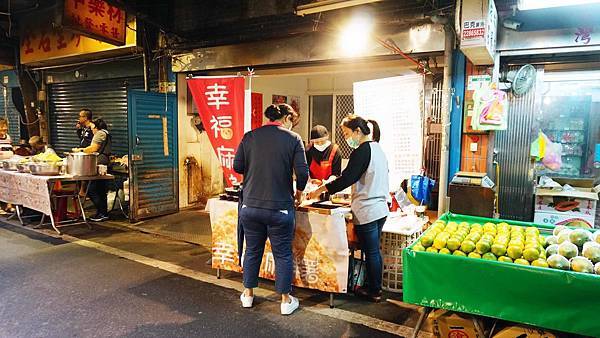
(84, 132)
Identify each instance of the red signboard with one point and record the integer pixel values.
(257, 113)
(96, 19)
(220, 103)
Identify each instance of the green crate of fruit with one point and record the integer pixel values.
(546, 297)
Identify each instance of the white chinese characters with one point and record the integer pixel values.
(226, 156)
(217, 96)
(217, 123)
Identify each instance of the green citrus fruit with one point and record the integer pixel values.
(521, 261)
(514, 252)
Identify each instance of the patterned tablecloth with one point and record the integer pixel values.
(27, 190)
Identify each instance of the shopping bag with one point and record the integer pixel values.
(420, 188)
(356, 273)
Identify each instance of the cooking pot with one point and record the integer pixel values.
(45, 169)
(9, 165)
(82, 164)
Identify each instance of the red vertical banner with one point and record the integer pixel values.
(257, 113)
(220, 103)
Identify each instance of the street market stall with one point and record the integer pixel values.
(545, 292)
(320, 246)
(323, 246)
(37, 192)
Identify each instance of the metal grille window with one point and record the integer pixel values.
(106, 98)
(434, 137)
(10, 113)
(344, 106)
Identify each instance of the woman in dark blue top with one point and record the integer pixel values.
(268, 157)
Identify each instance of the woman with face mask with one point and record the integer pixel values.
(322, 156)
(268, 157)
(367, 173)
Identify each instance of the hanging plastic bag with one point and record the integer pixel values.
(547, 152)
(553, 157)
(538, 147)
(420, 188)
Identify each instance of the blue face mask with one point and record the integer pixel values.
(352, 143)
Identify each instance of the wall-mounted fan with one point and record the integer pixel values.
(521, 80)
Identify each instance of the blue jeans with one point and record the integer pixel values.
(369, 235)
(278, 226)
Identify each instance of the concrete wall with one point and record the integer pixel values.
(194, 144)
(286, 86)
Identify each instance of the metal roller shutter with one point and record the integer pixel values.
(11, 114)
(106, 98)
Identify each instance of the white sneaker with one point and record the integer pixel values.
(246, 300)
(289, 308)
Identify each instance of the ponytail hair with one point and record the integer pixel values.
(273, 113)
(376, 131)
(276, 112)
(354, 122)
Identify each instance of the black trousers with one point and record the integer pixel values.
(97, 192)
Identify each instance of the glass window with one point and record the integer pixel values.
(569, 116)
(321, 111)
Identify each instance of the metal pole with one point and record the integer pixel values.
(446, 108)
(5, 95)
(144, 56)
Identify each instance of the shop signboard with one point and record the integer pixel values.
(220, 103)
(490, 108)
(96, 19)
(477, 81)
(44, 41)
(478, 31)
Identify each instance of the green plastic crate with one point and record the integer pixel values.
(548, 298)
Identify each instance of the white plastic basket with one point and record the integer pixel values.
(392, 245)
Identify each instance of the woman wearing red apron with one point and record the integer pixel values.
(322, 156)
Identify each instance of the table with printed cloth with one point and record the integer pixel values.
(323, 247)
(320, 246)
(38, 192)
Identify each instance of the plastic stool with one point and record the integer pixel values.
(61, 210)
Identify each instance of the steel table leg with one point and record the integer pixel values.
(18, 213)
(331, 304)
(80, 203)
(421, 320)
(54, 224)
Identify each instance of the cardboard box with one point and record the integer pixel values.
(554, 219)
(523, 332)
(572, 207)
(448, 324)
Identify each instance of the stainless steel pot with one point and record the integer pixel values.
(9, 165)
(45, 169)
(23, 168)
(82, 164)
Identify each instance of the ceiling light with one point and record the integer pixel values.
(355, 37)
